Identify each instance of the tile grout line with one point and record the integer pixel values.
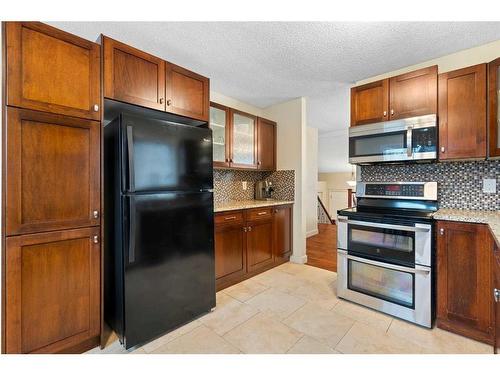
(349, 330)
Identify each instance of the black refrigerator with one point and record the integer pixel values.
(159, 269)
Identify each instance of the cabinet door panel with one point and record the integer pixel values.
(187, 93)
(266, 144)
(282, 231)
(494, 108)
(259, 244)
(219, 123)
(464, 279)
(496, 278)
(230, 259)
(133, 76)
(462, 113)
(53, 290)
(369, 103)
(414, 93)
(243, 140)
(53, 172)
(52, 71)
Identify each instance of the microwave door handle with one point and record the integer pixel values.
(386, 226)
(409, 146)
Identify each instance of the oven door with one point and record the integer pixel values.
(400, 291)
(394, 241)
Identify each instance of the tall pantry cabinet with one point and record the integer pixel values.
(52, 190)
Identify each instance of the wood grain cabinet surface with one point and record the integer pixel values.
(52, 290)
(52, 71)
(370, 103)
(496, 296)
(266, 144)
(53, 172)
(494, 108)
(251, 241)
(464, 285)
(462, 113)
(133, 76)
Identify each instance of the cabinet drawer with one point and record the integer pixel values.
(259, 213)
(229, 217)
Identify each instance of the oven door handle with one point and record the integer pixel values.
(417, 269)
(426, 228)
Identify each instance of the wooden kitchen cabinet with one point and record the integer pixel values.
(251, 241)
(52, 291)
(187, 93)
(266, 144)
(53, 172)
(496, 291)
(464, 285)
(413, 94)
(133, 76)
(462, 113)
(243, 140)
(221, 135)
(370, 103)
(52, 71)
(494, 108)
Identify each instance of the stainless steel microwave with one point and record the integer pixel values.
(408, 139)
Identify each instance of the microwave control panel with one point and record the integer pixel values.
(395, 190)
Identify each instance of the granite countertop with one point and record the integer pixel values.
(241, 205)
(492, 218)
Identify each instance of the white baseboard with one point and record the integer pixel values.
(301, 259)
(312, 233)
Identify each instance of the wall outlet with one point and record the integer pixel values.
(489, 185)
(244, 185)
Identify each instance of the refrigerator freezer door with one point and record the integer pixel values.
(169, 265)
(162, 156)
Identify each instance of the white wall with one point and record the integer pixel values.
(234, 103)
(291, 145)
(311, 176)
(1, 153)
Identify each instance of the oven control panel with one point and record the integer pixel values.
(398, 190)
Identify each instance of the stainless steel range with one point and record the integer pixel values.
(385, 249)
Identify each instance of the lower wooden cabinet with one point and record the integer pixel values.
(496, 296)
(52, 291)
(251, 241)
(464, 282)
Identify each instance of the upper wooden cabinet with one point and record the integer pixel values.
(266, 144)
(407, 95)
(188, 93)
(52, 71)
(243, 135)
(133, 76)
(494, 108)
(221, 134)
(370, 103)
(413, 94)
(462, 113)
(53, 291)
(53, 172)
(464, 286)
(136, 77)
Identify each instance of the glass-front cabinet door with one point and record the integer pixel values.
(220, 134)
(243, 140)
(494, 109)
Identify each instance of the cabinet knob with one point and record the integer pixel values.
(442, 149)
(441, 232)
(244, 229)
(227, 160)
(385, 113)
(392, 112)
(496, 294)
(95, 239)
(169, 102)
(96, 108)
(95, 214)
(230, 160)
(258, 163)
(161, 100)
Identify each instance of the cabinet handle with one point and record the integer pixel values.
(262, 213)
(169, 102)
(441, 232)
(442, 148)
(95, 214)
(258, 163)
(161, 100)
(249, 229)
(96, 108)
(230, 160)
(392, 112)
(95, 239)
(385, 113)
(244, 229)
(227, 160)
(496, 294)
(230, 218)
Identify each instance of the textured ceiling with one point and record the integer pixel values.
(263, 63)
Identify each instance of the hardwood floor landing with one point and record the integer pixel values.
(321, 249)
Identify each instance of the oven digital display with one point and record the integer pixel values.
(411, 190)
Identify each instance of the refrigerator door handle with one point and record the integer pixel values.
(130, 149)
(131, 230)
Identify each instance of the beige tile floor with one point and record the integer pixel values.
(294, 309)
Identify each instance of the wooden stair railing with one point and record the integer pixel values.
(323, 208)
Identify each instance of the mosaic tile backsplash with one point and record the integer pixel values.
(228, 184)
(460, 184)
